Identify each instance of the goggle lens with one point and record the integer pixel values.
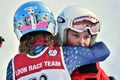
(93, 24)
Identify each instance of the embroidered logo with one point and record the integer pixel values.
(52, 52)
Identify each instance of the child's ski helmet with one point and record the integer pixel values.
(76, 13)
(33, 16)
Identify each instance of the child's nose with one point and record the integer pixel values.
(81, 41)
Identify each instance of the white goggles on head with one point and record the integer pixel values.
(94, 28)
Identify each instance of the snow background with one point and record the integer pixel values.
(107, 10)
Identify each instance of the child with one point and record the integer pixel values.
(79, 26)
(34, 25)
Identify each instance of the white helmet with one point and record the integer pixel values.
(76, 13)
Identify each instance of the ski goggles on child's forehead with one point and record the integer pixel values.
(93, 25)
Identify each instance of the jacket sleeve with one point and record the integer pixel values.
(76, 56)
(9, 73)
(100, 51)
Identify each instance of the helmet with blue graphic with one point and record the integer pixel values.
(74, 14)
(33, 16)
